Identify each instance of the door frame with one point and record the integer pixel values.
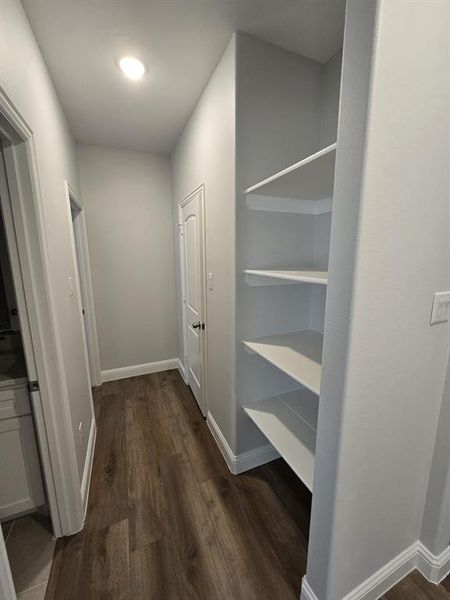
(84, 285)
(181, 203)
(7, 590)
(51, 404)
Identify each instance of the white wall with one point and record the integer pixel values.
(204, 154)
(24, 78)
(129, 219)
(383, 364)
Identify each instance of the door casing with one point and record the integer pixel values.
(84, 285)
(51, 404)
(200, 190)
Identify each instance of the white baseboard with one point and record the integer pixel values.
(182, 370)
(135, 370)
(307, 593)
(87, 472)
(417, 556)
(238, 463)
(434, 567)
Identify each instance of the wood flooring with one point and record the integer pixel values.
(167, 521)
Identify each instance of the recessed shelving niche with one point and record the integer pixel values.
(289, 420)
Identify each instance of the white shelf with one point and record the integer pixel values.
(298, 354)
(277, 277)
(289, 422)
(289, 205)
(310, 179)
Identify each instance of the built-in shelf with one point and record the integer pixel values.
(289, 205)
(298, 354)
(276, 277)
(289, 422)
(309, 179)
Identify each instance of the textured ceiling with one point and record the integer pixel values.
(180, 40)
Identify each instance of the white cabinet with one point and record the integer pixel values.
(21, 487)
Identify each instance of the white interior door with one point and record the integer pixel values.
(192, 247)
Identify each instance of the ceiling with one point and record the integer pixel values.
(180, 40)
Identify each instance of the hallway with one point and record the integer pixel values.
(167, 521)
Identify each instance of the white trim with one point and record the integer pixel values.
(417, 556)
(254, 458)
(238, 463)
(306, 592)
(135, 370)
(86, 293)
(227, 453)
(386, 577)
(87, 472)
(182, 370)
(434, 567)
(7, 591)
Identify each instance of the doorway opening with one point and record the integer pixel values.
(83, 285)
(24, 507)
(42, 405)
(191, 211)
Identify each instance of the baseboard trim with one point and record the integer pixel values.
(434, 567)
(182, 370)
(417, 556)
(87, 473)
(238, 463)
(386, 577)
(135, 370)
(307, 593)
(378, 583)
(255, 458)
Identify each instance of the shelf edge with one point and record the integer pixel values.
(293, 167)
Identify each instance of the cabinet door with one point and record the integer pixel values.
(20, 472)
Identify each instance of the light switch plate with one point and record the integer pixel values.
(71, 288)
(210, 281)
(441, 308)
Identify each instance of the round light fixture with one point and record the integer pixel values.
(132, 67)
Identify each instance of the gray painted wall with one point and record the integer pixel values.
(205, 155)
(25, 79)
(383, 365)
(329, 98)
(129, 219)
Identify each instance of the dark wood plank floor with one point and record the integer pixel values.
(167, 521)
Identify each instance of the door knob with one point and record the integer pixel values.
(196, 325)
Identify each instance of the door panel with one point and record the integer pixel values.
(192, 235)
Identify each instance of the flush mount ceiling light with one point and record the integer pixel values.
(132, 67)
